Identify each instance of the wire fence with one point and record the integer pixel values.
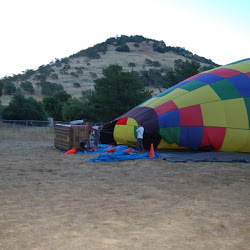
(29, 123)
(34, 123)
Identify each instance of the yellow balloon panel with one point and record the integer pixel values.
(242, 67)
(148, 102)
(132, 122)
(213, 114)
(228, 113)
(124, 133)
(163, 99)
(197, 96)
(164, 145)
(236, 140)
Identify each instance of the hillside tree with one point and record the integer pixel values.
(9, 88)
(182, 71)
(115, 93)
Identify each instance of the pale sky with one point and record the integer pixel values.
(34, 32)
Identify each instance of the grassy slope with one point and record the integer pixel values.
(136, 55)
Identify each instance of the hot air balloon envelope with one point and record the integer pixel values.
(208, 111)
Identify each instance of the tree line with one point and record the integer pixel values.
(114, 94)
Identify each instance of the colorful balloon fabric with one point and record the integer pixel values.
(207, 111)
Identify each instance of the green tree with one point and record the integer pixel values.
(9, 88)
(21, 108)
(73, 109)
(1, 87)
(131, 64)
(153, 77)
(27, 86)
(76, 85)
(115, 93)
(1, 109)
(123, 48)
(54, 104)
(182, 71)
(50, 88)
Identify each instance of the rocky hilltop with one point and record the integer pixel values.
(77, 72)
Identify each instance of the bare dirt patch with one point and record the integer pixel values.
(54, 201)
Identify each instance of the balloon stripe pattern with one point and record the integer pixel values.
(209, 111)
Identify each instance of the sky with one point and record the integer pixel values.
(35, 32)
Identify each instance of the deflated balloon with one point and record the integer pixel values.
(208, 111)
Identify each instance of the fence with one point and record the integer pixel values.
(27, 123)
(35, 123)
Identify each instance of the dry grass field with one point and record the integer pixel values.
(54, 201)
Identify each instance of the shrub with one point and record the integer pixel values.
(65, 60)
(45, 70)
(91, 53)
(54, 76)
(74, 74)
(123, 48)
(27, 86)
(9, 88)
(41, 77)
(49, 89)
(29, 73)
(79, 70)
(159, 48)
(131, 64)
(58, 63)
(93, 75)
(66, 67)
(148, 62)
(156, 64)
(76, 85)
(63, 71)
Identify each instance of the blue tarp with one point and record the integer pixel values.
(102, 148)
(170, 155)
(121, 156)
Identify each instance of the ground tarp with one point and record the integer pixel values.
(196, 156)
(119, 155)
(122, 156)
(170, 155)
(102, 148)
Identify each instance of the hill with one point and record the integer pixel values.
(77, 72)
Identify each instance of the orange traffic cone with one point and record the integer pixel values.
(94, 149)
(111, 150)
(152, 152)
(128, 150)
(71, 151)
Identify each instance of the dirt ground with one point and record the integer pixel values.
(54, 201)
